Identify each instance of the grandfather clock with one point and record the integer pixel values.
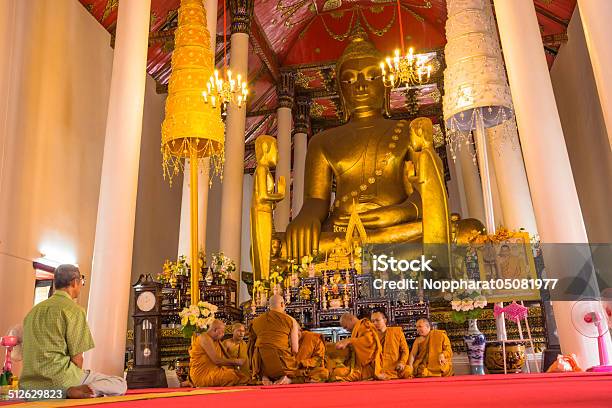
(147, 371)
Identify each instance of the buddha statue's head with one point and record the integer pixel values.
(360, 78)
(266, 151)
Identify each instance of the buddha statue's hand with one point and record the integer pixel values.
(384, 216)
(302, 236)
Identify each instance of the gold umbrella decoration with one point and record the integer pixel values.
(192, 128)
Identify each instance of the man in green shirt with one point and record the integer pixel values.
(55, 336)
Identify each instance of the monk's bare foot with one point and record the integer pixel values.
(283, 381)
(81, 391)
(186, 384)
(266, 381)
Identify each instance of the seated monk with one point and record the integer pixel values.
(431, 354)
(311, 358)
(367, 351)
(209, 365)
(395, 351)
(273, 344)
(236, 347)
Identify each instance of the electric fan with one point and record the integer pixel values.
(590, 319)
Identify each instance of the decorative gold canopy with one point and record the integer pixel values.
(192, 128)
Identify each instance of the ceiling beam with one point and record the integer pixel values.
(263, 49)
(551, 16)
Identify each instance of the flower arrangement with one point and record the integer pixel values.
(222, 266)
(181, 267)
(466, 305)
(197, 318)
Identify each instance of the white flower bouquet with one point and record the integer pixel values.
(197, 318)
(222, 265)
(466, 305)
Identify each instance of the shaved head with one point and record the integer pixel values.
(348, 321)
(379, 320)
(423, 326)
(216, 329)
(238, 331)
(276, 302)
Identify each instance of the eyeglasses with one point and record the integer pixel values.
(82, 280)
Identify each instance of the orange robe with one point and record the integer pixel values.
(394, 351)
(426, 354)
(337, 361)
(239, 351)
(205, 373)
(311, 358)
(269, 346)
(366, 360)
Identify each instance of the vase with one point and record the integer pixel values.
(475, 343)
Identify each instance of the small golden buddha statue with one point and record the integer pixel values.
(262, 205)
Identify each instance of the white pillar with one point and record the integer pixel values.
(300, 145)
(285, 89)
(184, 246)
(555, 200)
(112, 261)
(231, 195)
(457, 198)
(512, 185)
(471, 184)
(596, 16)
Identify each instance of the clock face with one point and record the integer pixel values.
(146, 301)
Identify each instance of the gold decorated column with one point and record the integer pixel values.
(192, 128)
(184, 246)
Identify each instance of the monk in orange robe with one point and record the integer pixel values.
(209, 365)
(236, 347)
(311, 358)
(431, 354)
(366, 363)
(273, 344)
(395, 351)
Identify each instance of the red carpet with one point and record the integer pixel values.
(513, 391)
(526, 390)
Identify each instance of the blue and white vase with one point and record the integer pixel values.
(475, 342)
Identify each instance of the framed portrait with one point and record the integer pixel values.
(507, 257)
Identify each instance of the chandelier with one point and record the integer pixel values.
(227, 90)
(406, 69)
(223, 92)
(409, 69)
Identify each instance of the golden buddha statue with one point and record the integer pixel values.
(369, 159)
(386, 172)
(262, 205)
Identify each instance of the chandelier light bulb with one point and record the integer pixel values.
(408, 70)
(226, 91)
